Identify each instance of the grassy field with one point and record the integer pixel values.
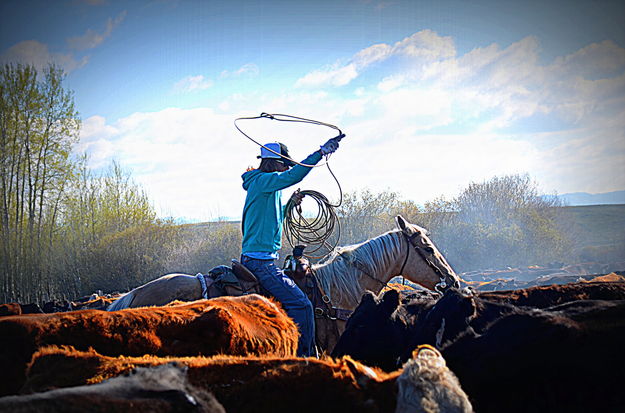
(597, 225)
(598, 232)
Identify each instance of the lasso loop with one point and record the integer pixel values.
(287, 118)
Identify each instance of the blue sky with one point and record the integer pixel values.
(432, 95)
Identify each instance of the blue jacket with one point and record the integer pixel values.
(263, 212)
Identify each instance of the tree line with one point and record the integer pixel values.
(67, 231)
(38, 126)
(59, 222)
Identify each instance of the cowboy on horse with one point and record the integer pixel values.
(263, 215)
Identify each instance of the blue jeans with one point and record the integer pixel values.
(293, 300)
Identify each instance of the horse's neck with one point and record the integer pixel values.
(368, 266)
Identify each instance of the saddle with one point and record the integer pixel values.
(235, 280)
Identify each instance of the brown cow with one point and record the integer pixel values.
(160, 389)
(10, 309)
(18, 309)
(269, 384)
(96, 303)
(247, 325)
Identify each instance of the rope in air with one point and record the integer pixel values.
(316, 231)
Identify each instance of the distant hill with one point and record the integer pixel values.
(584, 198)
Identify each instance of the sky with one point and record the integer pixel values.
(432, 95)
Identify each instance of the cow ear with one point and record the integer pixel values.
(368, 298)
(362, 374)
(390, 300)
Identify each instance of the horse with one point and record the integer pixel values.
(342, 276)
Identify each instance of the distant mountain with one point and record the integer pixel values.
(584, 198)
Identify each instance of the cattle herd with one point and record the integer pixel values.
(541, 349)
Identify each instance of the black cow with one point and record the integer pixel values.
(549, 295)
(383, 330)
(507, 358)
(568, 358)
(387, 325)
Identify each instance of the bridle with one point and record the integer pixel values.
(444, 283)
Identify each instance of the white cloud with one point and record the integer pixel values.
(587, 159)
(426, 45)
(391, 83)
(192, 83)
(181, 157)
(593, 61)
(425, 126)
(248, 69)
(37, 54)
(96, 139)
(92, 38)
(422, 47)
(371, 54)
(339, 76)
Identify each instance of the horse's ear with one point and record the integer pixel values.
(401, 222)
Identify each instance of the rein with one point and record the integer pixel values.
(359, 268)
(339, 313)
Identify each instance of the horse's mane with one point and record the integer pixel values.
(340, 271)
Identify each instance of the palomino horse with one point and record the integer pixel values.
(343, 276)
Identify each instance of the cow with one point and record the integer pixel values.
(18, 309)
(506, 357)
(243, 325)
(386, 323)
(56, 306)
(438, 389)
(550, 295)
(568, 358)
(94, 302)
(381, 329)
(161, 389)
(270, 384)
(10, 309)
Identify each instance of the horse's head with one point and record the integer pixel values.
(424, 264)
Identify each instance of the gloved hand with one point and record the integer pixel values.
(297, 197)
(329, 147)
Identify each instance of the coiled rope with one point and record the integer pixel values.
(313, 231)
